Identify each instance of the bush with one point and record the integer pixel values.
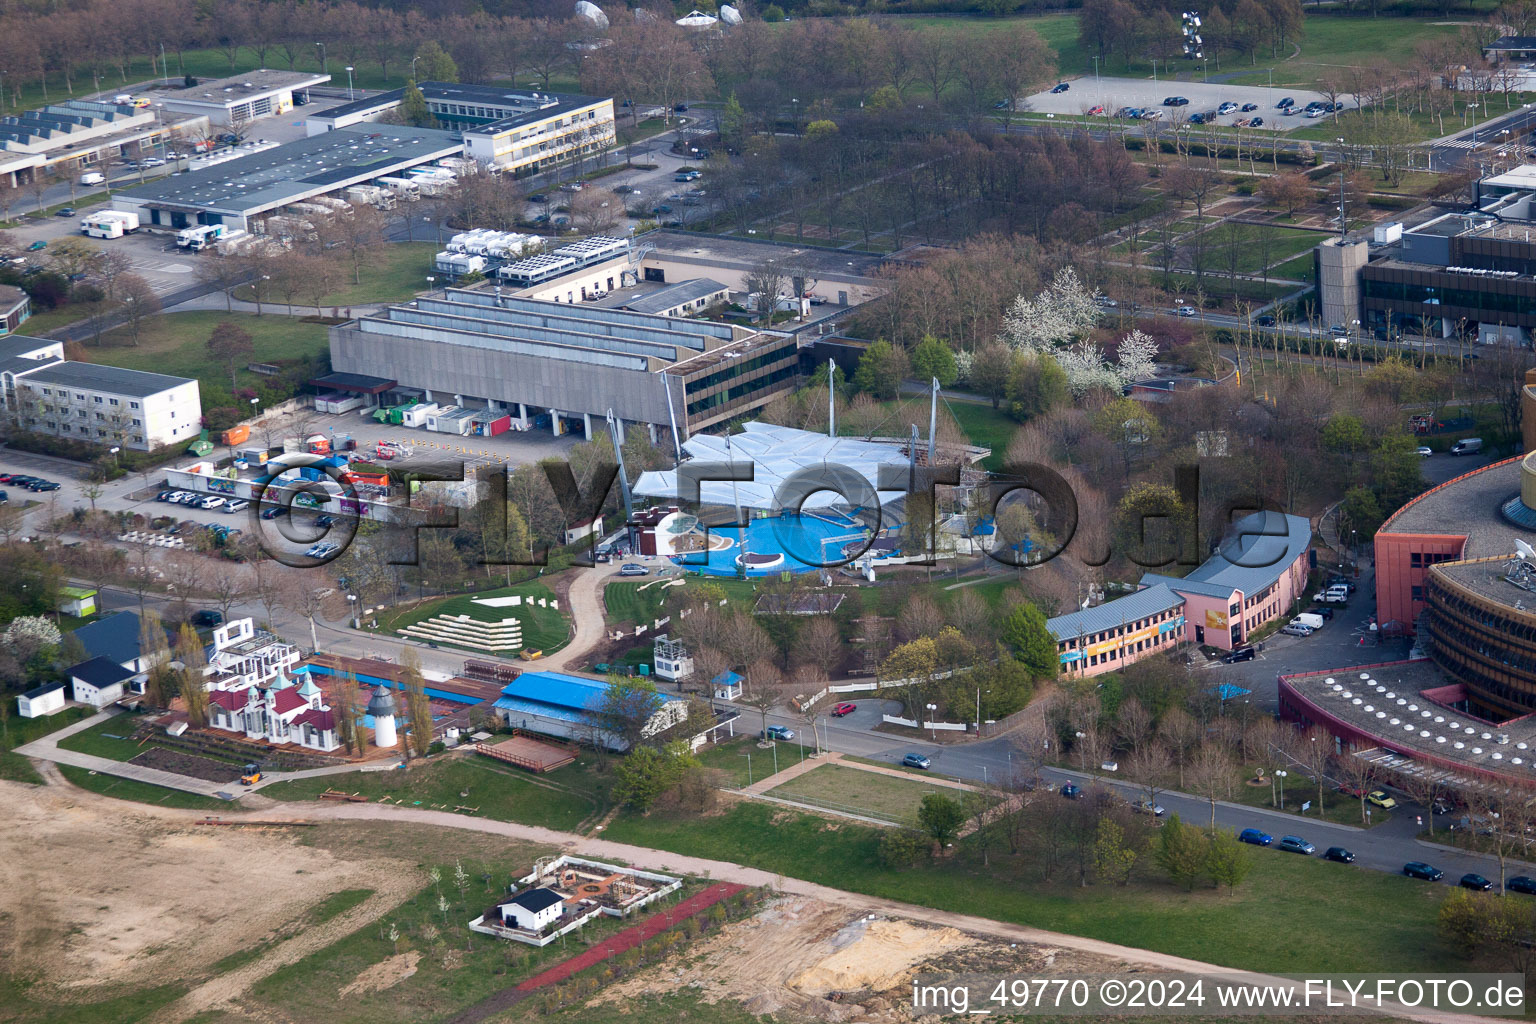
(903, 847)
(436, 747)
(222, 418)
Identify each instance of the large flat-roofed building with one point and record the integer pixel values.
(517, 130)
(566, 364)
(72, 135)
(833, 276)
(240, 193)
(237, 101)
(18, 354)
(108, 405)
(1469, 271)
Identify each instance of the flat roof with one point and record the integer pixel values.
(10, 296)
(539, 105)
(111, 379)
(240, 88)
(305, 167)
(1387, 702)
(1148, 601)
(1467, 506)
(744, 254)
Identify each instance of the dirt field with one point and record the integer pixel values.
(800, 958)
(188, 764)
(94, 893)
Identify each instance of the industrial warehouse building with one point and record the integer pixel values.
(239, 193)
(234, 102)
(532, 358)
(519, 131)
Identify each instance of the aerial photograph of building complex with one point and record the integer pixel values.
(758, 513)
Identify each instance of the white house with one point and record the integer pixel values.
(532, 910)
(108, 404)
(279, 713)
(99, 682)
(39, 701)
(242, 655)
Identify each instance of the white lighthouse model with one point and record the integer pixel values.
(382, 708)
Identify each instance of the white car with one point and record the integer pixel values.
(211, 501)
(1187, 311)
(1424, 452)
(236, 505)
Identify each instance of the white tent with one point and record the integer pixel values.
(730, 15)
(775, 454)
(591, 12)
(698, 19)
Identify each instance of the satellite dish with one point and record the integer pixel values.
(1527, 552)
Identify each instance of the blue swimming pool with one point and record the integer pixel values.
(790, 543)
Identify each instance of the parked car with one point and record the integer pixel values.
(1325, 612)
(1097, 108)
(1060, 87)
(43, 485)
(1243, 122)
(325, 522)
(1186, 311)
(1226, 108)
(236, 505)
(1264, 321)
(5, 499)
(1338, 855)
(211, 501)
(1255, 836)
(1249, 108)
(844, 709)
(275, 512)
(321, 550)
(1472, 880)
(1381, 798)
(64, 211)
(1284, 103)
(1521, 883)
(779, 732)
(1289, 111)
(1148, 807)
(1295, 844)
(1240, 654)
(915, 761)
(681, 108)
(207, 618)
(1152, 115)
(37, 246)
(538, 197)
(1257, 122)
(162, 496)
(1179, 101)
(633, 569)
(1197, 119)
(571, 186)
(1072, 791)
(1296, 629)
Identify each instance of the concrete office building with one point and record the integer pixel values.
(241, 193)
(237, 101)
(519, 131)
(562, 364)
(108, 405)
(72, 136)
(1470, 272)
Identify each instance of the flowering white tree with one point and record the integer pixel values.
(28, 635)
(964, 361)
(1137, 358)
(1059, 315)
(1087, 369)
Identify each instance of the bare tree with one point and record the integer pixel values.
(1210, 775)
(138, 300)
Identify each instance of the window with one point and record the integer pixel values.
(1415, 560)
(1417, 593)
(98, 399)
(46, 391)
(113, 401)
(133, 405)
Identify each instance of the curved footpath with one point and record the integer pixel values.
(660, 860)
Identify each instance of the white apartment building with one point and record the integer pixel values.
(108, 405)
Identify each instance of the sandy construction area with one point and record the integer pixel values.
(802, 958)
(94, 892)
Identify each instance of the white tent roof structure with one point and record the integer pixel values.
(697, 19)
(775, 454)
(591, 12)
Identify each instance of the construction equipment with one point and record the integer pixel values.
(252, 775)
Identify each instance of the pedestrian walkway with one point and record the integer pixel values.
(47, 748)
(794, 771)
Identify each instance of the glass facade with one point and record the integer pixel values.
(1488, 647)
(739, 382)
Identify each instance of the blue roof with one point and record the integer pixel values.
(1148, 601)
(1226, 691)
(115, 637)
(726, 678)
(556, 688)
(533, 707)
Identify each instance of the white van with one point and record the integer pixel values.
(1467, 446)
(93, 178)
(1310, 619)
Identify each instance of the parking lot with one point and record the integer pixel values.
(511, 449)
(1114, 93)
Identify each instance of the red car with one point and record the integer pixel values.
(844, 709)
(1095, 110)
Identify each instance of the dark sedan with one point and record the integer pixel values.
(1418, 869)
(1339, 855)
(1476, 882)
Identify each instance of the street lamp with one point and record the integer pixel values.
(350, 94)
(254, 411)
(323, 68)
(413, 66)
(1281, 775)
(352, 604)
(257, 292)
(113, 452)
(430, 280)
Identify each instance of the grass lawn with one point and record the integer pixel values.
(860, 792)
(21, 731)
(1338, 808)
(561, 799)
(1299, 269)
(176, 343)
(729, 759)
(1349, 920)
(395, 271)
(984, 425)
(456, 970)
(39, 324)
(109, 739)
(140, 792)
(1257, 246)
(627, 602)
(129, 1008)
(543, 629)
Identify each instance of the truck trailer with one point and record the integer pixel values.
(110, 224)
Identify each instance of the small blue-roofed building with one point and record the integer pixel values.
(572, 707)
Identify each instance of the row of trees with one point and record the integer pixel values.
(1133, 31)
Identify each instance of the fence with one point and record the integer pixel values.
(914, 724)
(853, 688)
